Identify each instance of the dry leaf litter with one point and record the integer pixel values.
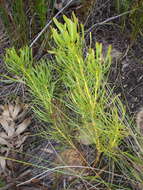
(12, 132)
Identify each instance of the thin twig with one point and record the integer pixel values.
(107, 20)
(50, 170)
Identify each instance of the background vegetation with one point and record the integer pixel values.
(71, 93)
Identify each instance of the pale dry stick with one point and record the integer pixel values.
(108, 20)
(44, 174)
(46, 26)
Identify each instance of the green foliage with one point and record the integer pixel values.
(122, 5)
(40, 81)
(136, 18)
(41, 11)
(16, 23)
(131, 161)
(2, 183)
(85, 77)
(38, 78)
(41, 86)
(20, 21)
(18, 63)
(87, 111)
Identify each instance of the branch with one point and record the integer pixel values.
(108, 20)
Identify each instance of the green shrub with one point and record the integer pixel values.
(85, 77)
(86, 111)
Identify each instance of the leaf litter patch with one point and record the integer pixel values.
(13, 134)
